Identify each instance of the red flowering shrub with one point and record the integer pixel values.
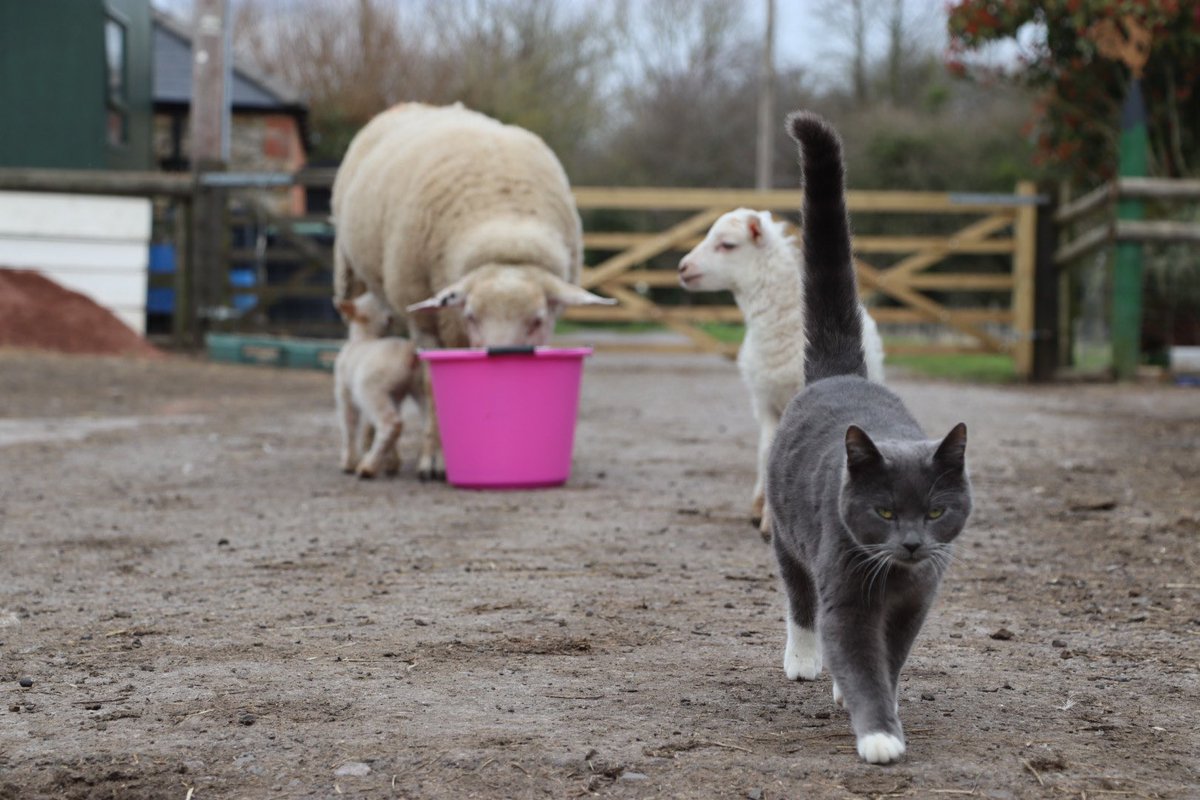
(1077, 121)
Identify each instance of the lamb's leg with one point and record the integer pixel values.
(760, 514)
(348, 417)
(391, 460)
(385, 419)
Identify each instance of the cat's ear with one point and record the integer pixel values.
(861, 452)
(953, 450)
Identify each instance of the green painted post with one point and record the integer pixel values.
(1127, 268)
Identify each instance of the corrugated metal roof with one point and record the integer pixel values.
(173, 72)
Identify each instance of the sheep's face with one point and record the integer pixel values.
(366, 315)
(721, 261)
(505, 306)
(507, 309)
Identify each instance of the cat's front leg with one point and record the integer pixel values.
(802, 654)
(857, 657)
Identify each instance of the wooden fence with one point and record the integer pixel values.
(899, 267)
(1112, 216)
(909, 275)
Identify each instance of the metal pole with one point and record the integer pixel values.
(1127, 266)
(766, 106)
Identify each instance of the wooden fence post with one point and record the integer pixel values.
(183, 317)
(1024, 261)
(1046, 289)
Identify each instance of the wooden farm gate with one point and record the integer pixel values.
(904, 268)
(901, 267)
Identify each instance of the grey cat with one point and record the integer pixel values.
(865, 505)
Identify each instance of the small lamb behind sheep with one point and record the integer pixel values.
(372, 376)
(464, 225)
(749, 253)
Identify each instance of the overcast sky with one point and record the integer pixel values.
(802, 37)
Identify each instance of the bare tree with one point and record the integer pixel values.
(529, 62)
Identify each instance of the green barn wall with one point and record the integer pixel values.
(53, 107)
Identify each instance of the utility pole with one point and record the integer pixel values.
(210, 102)
(766, 106)
(211, 63)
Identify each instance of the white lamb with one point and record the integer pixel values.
(372, 376)
(750, 254)
(441, 207)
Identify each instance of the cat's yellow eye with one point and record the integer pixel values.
(886, 513)
(934, 513)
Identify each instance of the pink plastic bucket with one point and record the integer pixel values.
(507, 415)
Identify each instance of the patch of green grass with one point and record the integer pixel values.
(570, 326)
(727, 332)
(971, 367)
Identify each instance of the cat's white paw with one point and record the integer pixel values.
(837, 695)
(880, 748)
(802, 655)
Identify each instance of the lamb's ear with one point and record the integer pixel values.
(346, 309)
(453, 295)
(861, 452)
(561, 293)
(754, 224)
(953, 450)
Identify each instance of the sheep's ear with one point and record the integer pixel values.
(754, 225)
(346, 309)
(453, 295)
(562, 293)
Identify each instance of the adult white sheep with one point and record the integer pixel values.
(444, 208)
(750, 254)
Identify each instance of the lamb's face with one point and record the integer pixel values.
(367, 315)
(509, 306)
(720, 261)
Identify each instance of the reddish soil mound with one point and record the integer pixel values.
(36, 312)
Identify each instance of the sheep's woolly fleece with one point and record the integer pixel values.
(426, 194)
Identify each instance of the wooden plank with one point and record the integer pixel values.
(1157, 231)
(1095, 238)
(691, 314)
(976, 231)
(662, 278)
(88, 181)
(857, 201)
(913, 244)
(954, 281)
(1082, 206)
(702, 340)
(659, 243)
(911, 316)
(936, 312)
(598, 240)
(933, 350)
(661, 348)
(1159, 188)
(1024, 261)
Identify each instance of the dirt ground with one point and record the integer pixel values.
(208, 608)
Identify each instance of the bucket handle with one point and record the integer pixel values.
(512, 350)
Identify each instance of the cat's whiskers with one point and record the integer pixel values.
(875, 562)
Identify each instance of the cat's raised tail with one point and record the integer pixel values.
(832, 321)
